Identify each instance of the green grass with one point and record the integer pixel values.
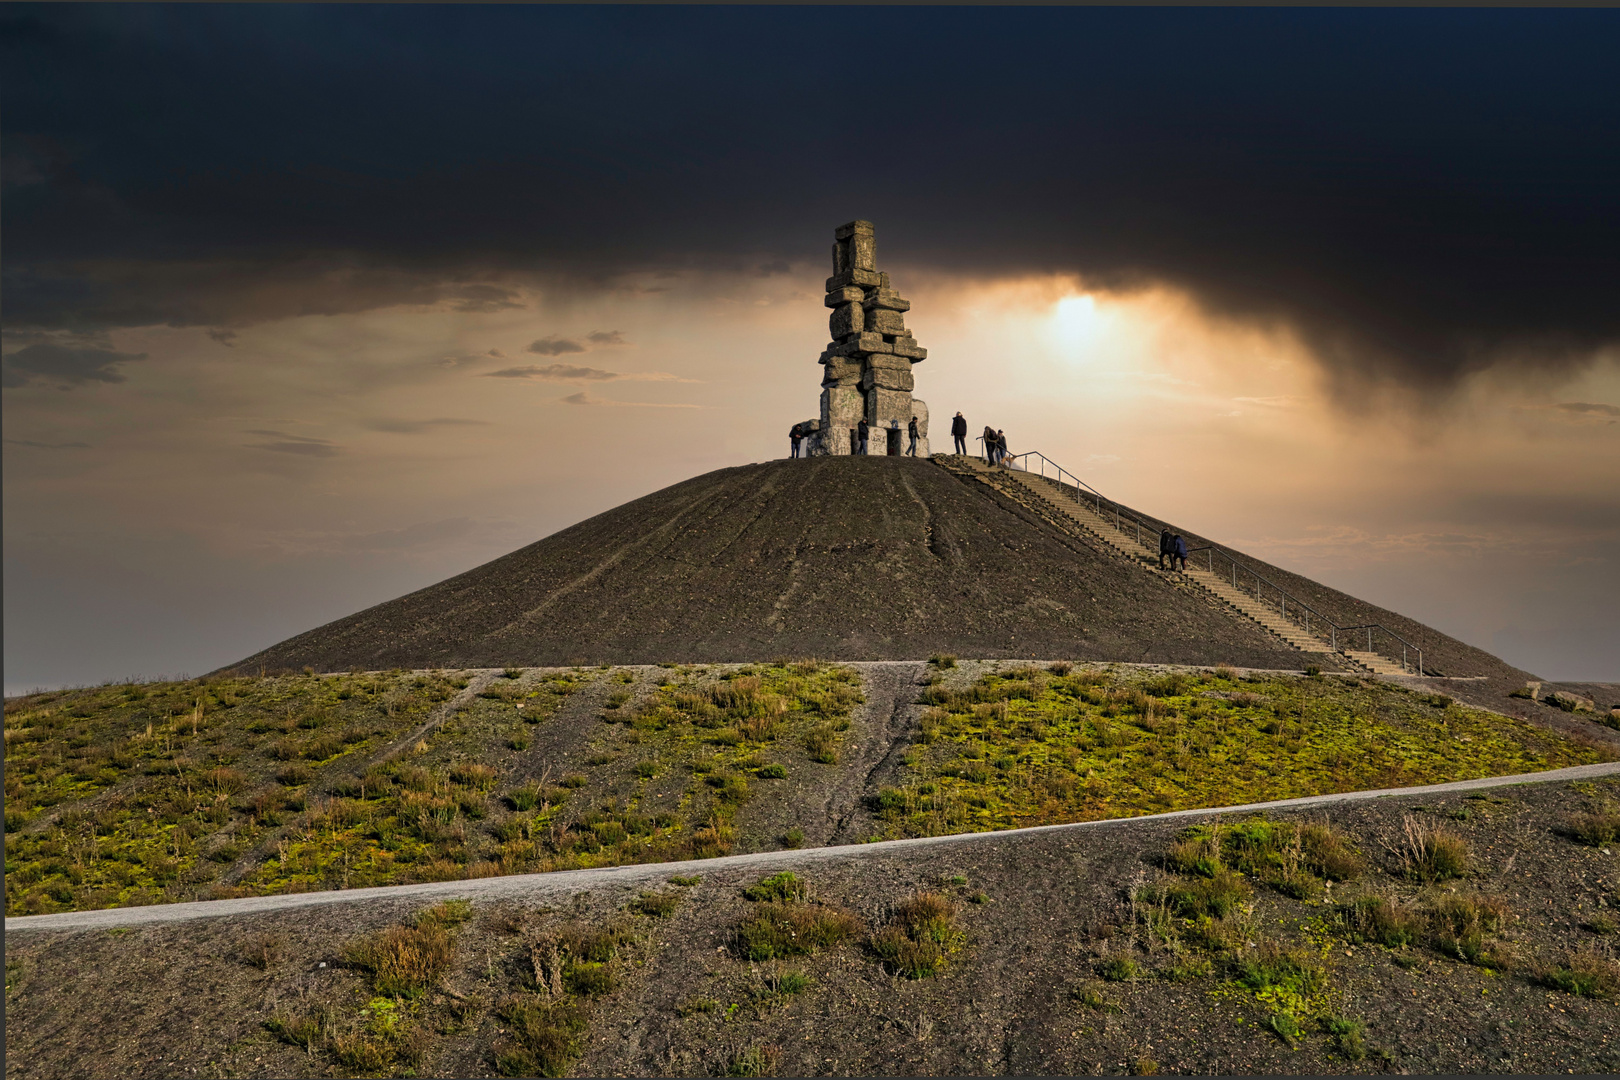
(1028, 747)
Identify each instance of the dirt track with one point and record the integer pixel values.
(564, 883)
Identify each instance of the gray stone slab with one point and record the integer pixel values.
(846, 319)
(849, 294)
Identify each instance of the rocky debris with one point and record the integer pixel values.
(866, 368)
(1530, 691)
(1569, 702)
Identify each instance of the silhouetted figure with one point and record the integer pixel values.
(1001, 447)
(989, 438)
(1166, 547)
(911, 431)
(863, 431)
(959, 433)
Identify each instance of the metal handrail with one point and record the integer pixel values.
(1301, 612)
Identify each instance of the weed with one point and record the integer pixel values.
(783, 886)
(546, 1036)
(1429, 853)
(512, 673)
(793, 838)
(1216, 896)
(573, 780)
(773, 771)
(942, 660)
(263, 951)
(659, 905)
(760, 1059)
(294, 776)
(687, 882)
(1118, 969)
(779, 929)
(303, 1031)
(1583, 974)
(697, 1006)
(1284, 1026)
(404, 961)
(920, 934)
(1381, 920)
(1593, 829)
(1346, 1035)
(646, 770)
(1093, 998)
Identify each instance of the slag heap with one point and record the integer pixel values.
(867, 365)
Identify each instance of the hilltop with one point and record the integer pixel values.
(842, 558)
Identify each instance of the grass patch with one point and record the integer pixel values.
(1429, 853)
(920, 934)
(544, 1037)
(1586, 974)
(1029, 746)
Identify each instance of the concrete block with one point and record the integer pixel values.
(911, 351)
(884, 407)
(841, 410)
(919, 409)
(872, 343)
(849, 229)
(886, 322)
(853, 276)
(886, 298)
(849, 294)
(846, 319)
(888, 378)
(841, 371)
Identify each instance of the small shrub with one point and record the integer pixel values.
(778, 930)
(525, 798)
(1216, 896)
(590, 978)
(302, 1031)
(512, 673)
(404, 961)
(573, 780)
(1583, 974)
(1272, 966)
(686, 882)
(1092, 998)
(773, 771)
(646, 769)
(1346, 1036)
(920, 934)
(1118, 969)
(1383, 921)
(294, 776)
(1284, 1026)
(473, 775)
(822, 743)
(658, 905)
(1594, 829)
(758, 1060)
(1430, 853)
(942, 660)
(224, 781)
(783, 886)
(546, 1037)
(793, 838)
(263, 951)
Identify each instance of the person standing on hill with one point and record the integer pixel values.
(959, 433)
(1166, 547)
(1180, 553)
(911, 431)
(989, 438)
(1001, 447)
(863, 431)
(795, 433)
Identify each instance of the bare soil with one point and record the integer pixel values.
(841, 558)
(181, 999)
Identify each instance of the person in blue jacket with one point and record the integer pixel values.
(1180, 554)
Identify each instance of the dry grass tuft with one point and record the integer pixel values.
(1428, 853)
(920, 934)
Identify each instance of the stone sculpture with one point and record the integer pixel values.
(866, 368)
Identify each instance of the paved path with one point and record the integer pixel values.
(530, 886)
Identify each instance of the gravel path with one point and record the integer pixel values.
(568, 882)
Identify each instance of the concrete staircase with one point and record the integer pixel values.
(1056, 500)
(1377, 664)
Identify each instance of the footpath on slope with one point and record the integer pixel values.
(565, 882)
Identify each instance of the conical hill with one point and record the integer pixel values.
(834, 557)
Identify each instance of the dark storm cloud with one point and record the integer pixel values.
(282, 443)
(63, 365)
(555, 346)
(420, 427)
(1418, 193)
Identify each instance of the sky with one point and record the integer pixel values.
(307, 307)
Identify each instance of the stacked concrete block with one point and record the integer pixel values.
(867, 366)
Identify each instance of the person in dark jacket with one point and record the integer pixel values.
(1166, 547)
(796, 433)
(863, 431)
(1180, 554)
(1001, 447)
(911, 432)
(989, 445)
(959, 433)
